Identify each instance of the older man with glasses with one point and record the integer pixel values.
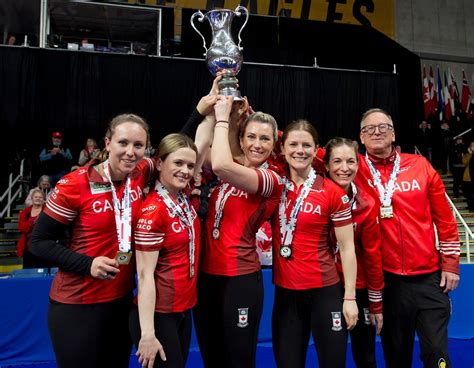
(418, 273)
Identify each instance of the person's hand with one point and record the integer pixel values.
(104, 268)
(223, 107)
(449, 281)
(377, 321)
(215, 85)
(55, 150)
(148, 347)
(206, 104)
(351, 313)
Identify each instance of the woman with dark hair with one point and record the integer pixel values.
(309, 297)
(167, 238)
(91, 295)
(230, 286)
(341, 161)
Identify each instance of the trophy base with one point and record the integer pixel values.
(228, 86)
(231, 92)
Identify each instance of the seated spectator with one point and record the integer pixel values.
(26, 223)
(90, 151)
(44, 184)
(56, 159)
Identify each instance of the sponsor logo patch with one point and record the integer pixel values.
(99, 188)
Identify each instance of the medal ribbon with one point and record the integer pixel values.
(385, 193)
(222, 199)
(287, 228)
(123, 212)
(185, 213)
(220, 203)
(354, 194)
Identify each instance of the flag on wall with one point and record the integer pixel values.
(448, 109)
(456, 100)
(426, 95)
(433, 94)
(466, 94)
(440, 92)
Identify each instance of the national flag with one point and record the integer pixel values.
(466, 94)
(426, 95)
(439, 90)
(470, 112)
(455, 95)
(448, 108)
(433, 94)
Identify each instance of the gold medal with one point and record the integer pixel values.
(386, 212)
(191, 271)
(215, 233)
(123, 258)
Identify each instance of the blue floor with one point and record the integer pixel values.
(461, 351)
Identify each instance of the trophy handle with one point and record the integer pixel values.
(200, 19)
(238, 11)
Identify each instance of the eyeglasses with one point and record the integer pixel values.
(383, 128)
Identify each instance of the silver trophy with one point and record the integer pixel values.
(223, 55)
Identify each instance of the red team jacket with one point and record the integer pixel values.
(311, 264)
(84, 199)
(408, 242)
(159, 230)
(235, 252)
(367, 242)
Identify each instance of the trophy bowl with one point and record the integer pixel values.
(223, 55)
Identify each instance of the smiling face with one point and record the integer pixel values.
(257, 143)
(342, 166)
(177, 169)
(378, 143)
(126, 148)
(299, 149)
(37, 198)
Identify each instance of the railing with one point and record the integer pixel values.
(11, 197)
(467, 231)
(461, 134)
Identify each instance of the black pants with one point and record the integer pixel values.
(227, 319)
(91, 335)
(363, 334)
(415, 303)
(173, 330)
(296, 313)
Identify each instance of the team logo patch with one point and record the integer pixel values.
(366, 316)
(442, 363)
(243, 317)
(98, 188)
(345, 199)
(336, 321)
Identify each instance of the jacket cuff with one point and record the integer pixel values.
(375, 307)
